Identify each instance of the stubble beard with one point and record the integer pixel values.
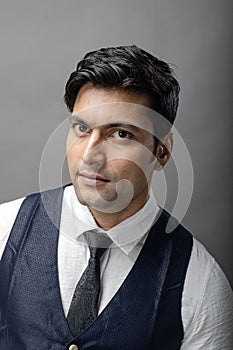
(93, 197)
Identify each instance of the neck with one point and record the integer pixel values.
(109, 220)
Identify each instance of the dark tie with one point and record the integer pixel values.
(84, 305)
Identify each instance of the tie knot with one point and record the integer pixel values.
(97, 242)
(96, 253)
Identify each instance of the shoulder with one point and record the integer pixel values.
(8, 213)
(207, 302)
(9, 210)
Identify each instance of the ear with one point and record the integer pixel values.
(164, 151)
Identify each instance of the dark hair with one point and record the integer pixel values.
(127, 68)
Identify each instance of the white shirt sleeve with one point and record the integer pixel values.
(207, 304)
(8, 213)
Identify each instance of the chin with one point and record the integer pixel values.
(94, 199)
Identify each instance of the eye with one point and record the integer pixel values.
(80, 129)
(122, 134)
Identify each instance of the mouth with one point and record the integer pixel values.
(92, 179)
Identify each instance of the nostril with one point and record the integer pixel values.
(94, 156)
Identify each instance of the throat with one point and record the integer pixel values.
(108, 220)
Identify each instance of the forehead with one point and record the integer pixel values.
(98, 106)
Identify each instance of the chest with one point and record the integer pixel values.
(31, 304)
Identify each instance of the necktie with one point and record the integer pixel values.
(84, 305)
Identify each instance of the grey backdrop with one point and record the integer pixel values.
(41, 41)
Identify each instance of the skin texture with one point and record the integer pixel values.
(110, 153)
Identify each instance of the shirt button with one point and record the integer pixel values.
(73, 347)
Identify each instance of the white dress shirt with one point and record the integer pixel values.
(207, 300)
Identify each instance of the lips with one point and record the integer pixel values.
(92, 179)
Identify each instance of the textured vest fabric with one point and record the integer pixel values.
(145, 313)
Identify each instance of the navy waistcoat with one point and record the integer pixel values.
(145, 313)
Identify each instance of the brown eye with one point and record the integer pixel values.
(122, 133)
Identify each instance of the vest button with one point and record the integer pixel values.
(73, 347)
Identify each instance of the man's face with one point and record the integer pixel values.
(109, 149)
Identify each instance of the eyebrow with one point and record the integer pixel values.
(76, 118)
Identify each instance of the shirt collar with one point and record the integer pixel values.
(127, 233)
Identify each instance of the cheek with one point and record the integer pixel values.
(140, 156)
(139, 175)
(69, 141)
(131, 171)
(72, 146)
(73, 156)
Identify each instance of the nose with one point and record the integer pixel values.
(95, 149)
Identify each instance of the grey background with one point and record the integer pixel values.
(41, 41)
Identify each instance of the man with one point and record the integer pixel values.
(142, 288)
